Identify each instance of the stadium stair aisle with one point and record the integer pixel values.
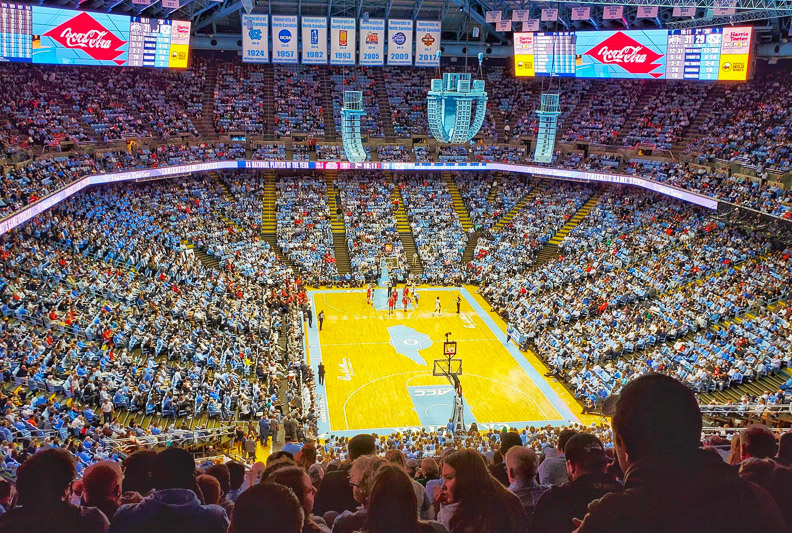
(226, 192)
(497, 119)
(205, 125)
(269, 100)
(509, 215)
(404, 229)
(692, 132)
(327, 104)
(268, 223)
(382, 102)
(343, 263)
(470, 248)
(550, 249)
(645, 93)
(459, 204)
(494, 188)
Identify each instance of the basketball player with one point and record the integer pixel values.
(369, 291)
(437, 305)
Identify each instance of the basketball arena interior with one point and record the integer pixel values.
(386, 266)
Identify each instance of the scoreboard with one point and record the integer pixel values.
(706, 54)
(16, 22)
(42, 34)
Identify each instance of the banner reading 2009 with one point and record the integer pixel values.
(400, 34)
(284, 39)
(427, 43)
(372, 42)
(314, 40)
(342, 41)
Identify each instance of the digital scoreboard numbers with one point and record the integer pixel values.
(16, 29)
(705, 54)
(694, 54)
(149, 42)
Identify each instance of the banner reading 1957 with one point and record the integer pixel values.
(427, 43)
(284, 39)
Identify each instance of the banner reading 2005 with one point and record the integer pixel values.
(427, 43)
(314, 40)
(372, 42)
(400, 33)
(284, 39)
(255, 38)
(342, 41)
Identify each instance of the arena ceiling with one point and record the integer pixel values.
(459, 17)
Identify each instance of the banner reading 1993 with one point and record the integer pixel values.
(427, 43)
(342, 41)
(255, 38)
(400, 33)
(372, 43)
(284, 39)
(314, 40)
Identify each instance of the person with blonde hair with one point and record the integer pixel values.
(361, 477)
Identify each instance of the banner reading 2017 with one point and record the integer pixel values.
(284, 39)
(400, 36)
(372, 43)
(427, 43)
(342, 41)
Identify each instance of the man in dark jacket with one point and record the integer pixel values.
(174, 507)
(669, 483)
(586, 464)
(43, 486)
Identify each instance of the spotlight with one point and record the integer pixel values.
(461, 9)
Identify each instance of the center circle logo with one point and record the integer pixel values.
(399, 38)
(284, 36)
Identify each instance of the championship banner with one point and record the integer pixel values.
(580, 13)
(342, 41)
(612, 12)
(170, 4)
(493, 16)
(284, 39)
(400, 33)
(372, 43)
(684, 12)
(427, 43)
(521, 15)
(646, 12)
(314, 40)
(723, 11)
(530, 25)
(255, 38)
(504, 25)
(549, 15)
(65, 37)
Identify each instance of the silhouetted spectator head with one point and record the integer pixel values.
(174, 468)
(508, 441)
(267, 508)
(564, 437)
(397, 458)
(138, 471)
(785, 449)
(316, 473)
(654, 414)
(585, 454)
(521, 464)
(360, 445)
(222, 475)
(298, 481)
(210, 488)
(7, 493)
(236, 475)
(362, 474)
(102, 482)
(45, 477)
(758, 442)
(392, 505)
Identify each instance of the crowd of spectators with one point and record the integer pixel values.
(491, 153)
(435, 226)
(600, 115)
(357, 79)
(453, 154)
(298, 100)
(393, 152)
(370, 224)
(239, 98)
(406, 91)
(304, 231)
(270, 152)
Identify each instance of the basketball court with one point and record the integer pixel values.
(379, 365)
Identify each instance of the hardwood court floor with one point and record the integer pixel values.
(379, 365)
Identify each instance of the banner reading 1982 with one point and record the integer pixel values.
(372, 42)
(427, 43)
(314, 40)
(284, 39)
(400, 34)
(342, 41)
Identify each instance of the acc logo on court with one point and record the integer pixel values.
(432, 392)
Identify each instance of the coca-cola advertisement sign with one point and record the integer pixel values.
(66, 38)
(607, 54)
